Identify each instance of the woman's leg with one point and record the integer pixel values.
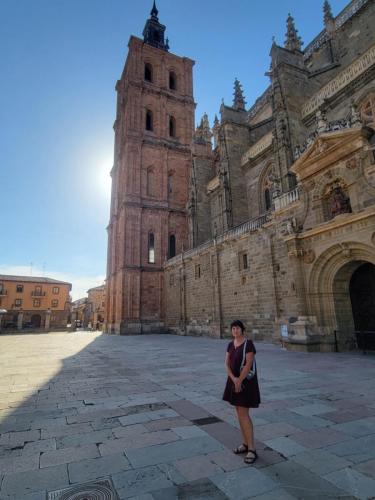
(246, 426)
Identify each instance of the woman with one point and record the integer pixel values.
(240, 391)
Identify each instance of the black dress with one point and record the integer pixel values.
(249, 397)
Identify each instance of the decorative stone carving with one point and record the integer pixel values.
(340, 202)
(353, 71)
(308, 256)
(352, 163)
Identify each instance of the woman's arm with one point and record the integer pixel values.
(247, 366)
(227, 368)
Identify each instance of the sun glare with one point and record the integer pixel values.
(103, 178)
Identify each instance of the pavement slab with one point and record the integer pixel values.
(76, 407)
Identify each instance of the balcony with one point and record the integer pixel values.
(38, 294)
(286, 199)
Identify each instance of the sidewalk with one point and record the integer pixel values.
(143, 418)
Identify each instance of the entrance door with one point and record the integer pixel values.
(362, 296)
(36, 320)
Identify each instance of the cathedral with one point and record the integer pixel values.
(268, 216)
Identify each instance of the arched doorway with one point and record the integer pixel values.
(362, 297)
(36, 320)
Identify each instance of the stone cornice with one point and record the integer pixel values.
(349, 74)
(149, 88)
(258, 148)
(339, 221)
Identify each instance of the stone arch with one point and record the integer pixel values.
(328, 288)
(338, 175)
(266, 188)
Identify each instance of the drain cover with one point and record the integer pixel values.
(96, 490)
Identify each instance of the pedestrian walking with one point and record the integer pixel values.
(242, 389)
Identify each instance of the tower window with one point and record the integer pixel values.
(172, 246)
(170, 184)
(148, 72)
(172, 81)
(151, 248)
(150, 182)
(149, 124)
(172, 127)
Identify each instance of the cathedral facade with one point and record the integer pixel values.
(268, 216)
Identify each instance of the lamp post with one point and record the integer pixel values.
(2, 314)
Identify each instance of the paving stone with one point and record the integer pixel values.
(312, 409)
(167, 423)
(243, 483)
(274, 430)
(357, 428)
(65, 430)
(188, 410)
(89, 469)
(367, 468)
(227, 460)
(300, 482)
(170, 452)
(132, 430)
(67, 455)
(319, 438)
(286, 446)
(21, 483)
(320, 462)
(19, 464)
(12, 439)
(197, 467)
(137, 441)
(225, 433)
(201, 489)
(138, 418)
(39, 446)
(95, 437)
(189, 431)
(140, 481)
(354, 482)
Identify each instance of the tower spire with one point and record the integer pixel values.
(238, 100)
(292, 40)
(153, 32)
(327, 11)
(154, 12)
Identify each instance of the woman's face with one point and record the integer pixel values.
(236, 331)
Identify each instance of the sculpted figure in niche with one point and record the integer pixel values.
(340, 202)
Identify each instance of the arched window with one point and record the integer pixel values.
(149, 120)
(172, 246)
(150, 182)
(172, 80)
(148, 72)
(267, 198)
(151, 248)
(172, 127)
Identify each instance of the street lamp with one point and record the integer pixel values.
(2, 313)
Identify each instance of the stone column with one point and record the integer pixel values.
(48, 319)
(19, 320)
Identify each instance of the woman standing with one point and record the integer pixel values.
(239, 390)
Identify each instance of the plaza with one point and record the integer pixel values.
(143, 416)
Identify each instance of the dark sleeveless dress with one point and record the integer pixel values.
(249, 397)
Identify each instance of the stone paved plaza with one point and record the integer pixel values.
(146, 413)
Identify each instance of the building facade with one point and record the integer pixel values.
(281, 199)
(32, 302)
(148, 221)
(96, 306)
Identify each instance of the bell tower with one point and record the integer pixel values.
(152, 160)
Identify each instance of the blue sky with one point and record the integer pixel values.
(60, 60)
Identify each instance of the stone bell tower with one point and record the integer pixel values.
(152, 160)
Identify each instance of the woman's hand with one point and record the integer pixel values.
(237, 385)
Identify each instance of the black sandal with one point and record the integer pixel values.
(242, 448)
(251, 456)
